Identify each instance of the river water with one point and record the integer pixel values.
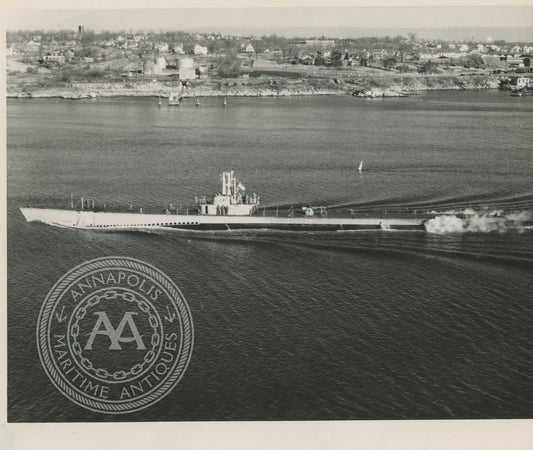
(296, 326)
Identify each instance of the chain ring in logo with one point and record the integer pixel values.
(115, 335)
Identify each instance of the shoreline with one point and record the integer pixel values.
(366, 87)
(374, 93)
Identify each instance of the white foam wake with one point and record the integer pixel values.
(470, 221)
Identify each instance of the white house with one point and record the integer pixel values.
(32, 46)
(178, 49)
(200, 50)
(248, 48)
(57, 59)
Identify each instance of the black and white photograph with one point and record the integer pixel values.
(294, 214)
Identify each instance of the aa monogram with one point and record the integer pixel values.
(115, 335)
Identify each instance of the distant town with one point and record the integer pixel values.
(82, 63)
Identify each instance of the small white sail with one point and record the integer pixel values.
(360, 168)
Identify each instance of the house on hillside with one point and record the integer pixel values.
(307, 60)
(178, 49)
(32, 46)
(55, 59)
(247, 48)
(200, 50)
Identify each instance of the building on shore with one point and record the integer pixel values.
(55, 59)
(521, 82)
(186, 69)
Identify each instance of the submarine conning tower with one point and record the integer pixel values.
(231, 201)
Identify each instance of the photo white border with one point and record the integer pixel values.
(382, 435)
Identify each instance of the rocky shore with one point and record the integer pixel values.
(407, 86)
(271, 87)
(154, 89)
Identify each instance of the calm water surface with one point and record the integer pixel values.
(289, 326)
